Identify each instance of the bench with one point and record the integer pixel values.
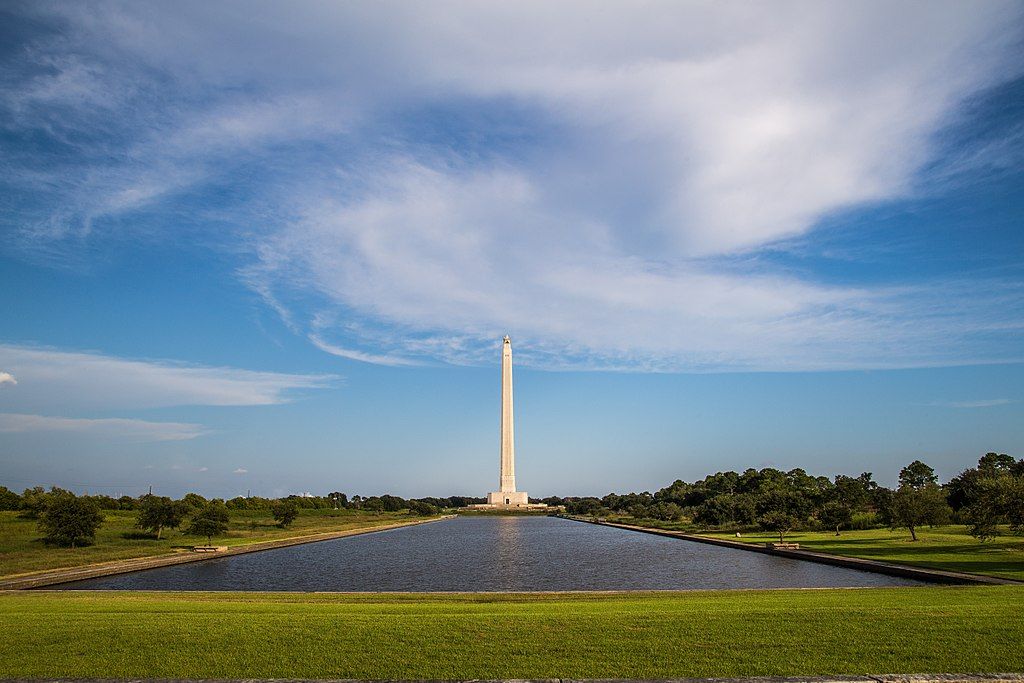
(209, 548)
(783, 546)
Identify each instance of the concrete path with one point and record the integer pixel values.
(880, 678)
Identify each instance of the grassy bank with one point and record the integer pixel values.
(946, 547)
(724, 633)
(949, 547)
(21, 551)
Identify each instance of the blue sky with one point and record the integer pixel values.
(267, 247)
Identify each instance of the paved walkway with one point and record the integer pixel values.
(880, 678)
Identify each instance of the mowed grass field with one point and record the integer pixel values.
(660, 635)
(22, 551)
(947, 547)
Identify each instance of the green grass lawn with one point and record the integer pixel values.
(644, 635)
(21, 550)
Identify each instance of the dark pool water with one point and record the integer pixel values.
(495, 554)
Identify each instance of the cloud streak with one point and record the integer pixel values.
(51, 378)
(984, 403)
(104, 428)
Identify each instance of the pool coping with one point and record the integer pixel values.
(869, 678)
(890, 568)
(93, 571)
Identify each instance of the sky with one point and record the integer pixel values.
(274, 247)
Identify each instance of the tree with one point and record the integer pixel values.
(210, 521)
(638, 511)
(33, 502)
(418, 507)
(918, 500)
(70, 521)
(193, 502)
(159, 512)
(917, 475)
(834, 515)
(781, 507)
(9, 500)
(779, 521)
(984, 512)
(285, 512)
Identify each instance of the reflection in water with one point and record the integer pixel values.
(508, 552)
(495, 554)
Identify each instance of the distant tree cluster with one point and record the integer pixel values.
(986, 498)
(990, 495)
(70, 520)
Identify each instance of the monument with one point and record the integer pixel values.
(507, 496)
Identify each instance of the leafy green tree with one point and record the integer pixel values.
(210, 521)
(127, 503)
(853, 492)
(1012, 502)
(779, 521)
(285, 512)
(985, 511)
(193, 502)
(70, 521)
(157, 513)
(919, 500)
(9, 500)
(33, 502)
(835, 515)
(418, 507)
(638, 511)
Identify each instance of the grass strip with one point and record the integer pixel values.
(431, 636)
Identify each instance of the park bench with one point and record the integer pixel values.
(783, 546)
(209, 548)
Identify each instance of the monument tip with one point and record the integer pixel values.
(507, 340)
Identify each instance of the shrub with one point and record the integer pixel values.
(70, 521)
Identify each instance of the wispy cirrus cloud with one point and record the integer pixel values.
(982, 403)
(606, 196)
(52, 378)
(104, 428)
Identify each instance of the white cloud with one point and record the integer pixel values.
(984, 403)
(204, 469)
(7, 378)
(241, 470)
(107, 428)
(656, 149)
(351, 354)
(450, 262)
(52, 378)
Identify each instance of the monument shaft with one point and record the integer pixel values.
(506, 496)
(507, 483)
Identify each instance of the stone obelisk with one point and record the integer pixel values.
(506, 495)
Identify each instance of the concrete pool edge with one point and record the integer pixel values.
(869, 678)
(875, 566)
(70, 574)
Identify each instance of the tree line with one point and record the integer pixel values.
(986, 498)
(67, 519)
